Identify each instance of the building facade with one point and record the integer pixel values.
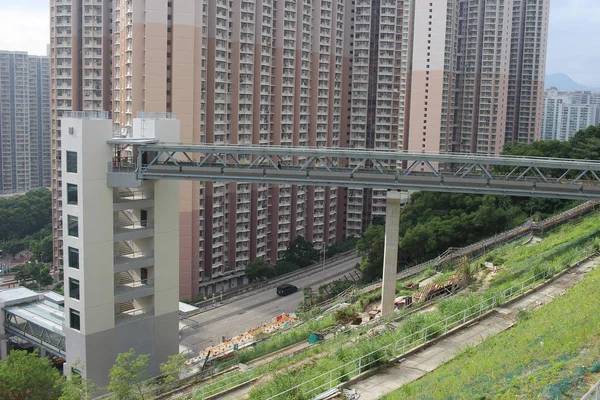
(24, 122)
(242, 72)
(434, 75)
(80, 66)
(566, 113)
(121, 285)
(443, 75)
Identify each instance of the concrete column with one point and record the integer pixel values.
(390, 255)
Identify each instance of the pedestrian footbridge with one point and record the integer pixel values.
(32, 319)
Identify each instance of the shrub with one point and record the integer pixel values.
(345, 314)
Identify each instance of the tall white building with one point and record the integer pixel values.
(121, 243)
(566, 113)
(24, 122)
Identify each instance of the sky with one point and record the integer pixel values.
(573, 43)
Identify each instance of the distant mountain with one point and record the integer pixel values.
(564, 82)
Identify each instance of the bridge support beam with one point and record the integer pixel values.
(390, 255)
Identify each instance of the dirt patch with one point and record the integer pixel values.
(485, 283)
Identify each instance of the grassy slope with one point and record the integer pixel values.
(519, 262)
(555, 251)
(545, 356)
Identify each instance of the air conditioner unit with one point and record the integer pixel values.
(71, 130)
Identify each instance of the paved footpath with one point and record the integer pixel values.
(419, 364)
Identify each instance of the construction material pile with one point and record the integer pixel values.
(230, 346)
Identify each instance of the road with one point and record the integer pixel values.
(240, 315)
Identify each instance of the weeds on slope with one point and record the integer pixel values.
(553, 354)
(545, 260)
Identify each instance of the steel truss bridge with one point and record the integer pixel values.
(352, 168)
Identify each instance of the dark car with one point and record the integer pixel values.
(285, 289)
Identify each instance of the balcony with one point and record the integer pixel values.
(133, 260)
(133, 290)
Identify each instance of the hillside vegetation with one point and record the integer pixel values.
(518, 263)
(553, 354)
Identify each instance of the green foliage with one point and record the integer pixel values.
(284, 339)
(258, 269)
(42, 249)
(542, 356)
(370, 246)
(26, 376)
(129, 375)
(345, 245)
(25, 214)
(345, 314)
(171, 370)
(39, 273)
(523, 314)
(559, 248)
(13, 246)
(378, 220)
(300, 252)
(77, 388)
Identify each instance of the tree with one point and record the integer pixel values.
(371, 247)
(378, 220)
(171, 370)
(42, 249)
(258, 269)
(129, 376)
(13, 246)
(39, 273)
(26, 376)
(25, 214)
(77, 388)
(300, 252)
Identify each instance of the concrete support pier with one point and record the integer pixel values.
(390, 256)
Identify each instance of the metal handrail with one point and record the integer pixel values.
(593, 393)
(136, 284)
(425, 335)
(133, 315)
(135, 225)
(119, 166)
(135, 255)
(136, 195)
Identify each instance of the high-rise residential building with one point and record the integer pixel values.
(565, 113)
(80, 66)
(241, 72)
(24, 122)
(443, 75)
(433, 75)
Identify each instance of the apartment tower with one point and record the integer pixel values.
(25, 122)
(237, 72)
(80, 66)
(443, 75)
(566, 113)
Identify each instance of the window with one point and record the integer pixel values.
(71, 194)
(74, 288)
(73, 223)
(73, 258)
(74, 319)
(72, 162)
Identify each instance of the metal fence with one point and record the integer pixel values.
(400, 347)
(593, 394)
